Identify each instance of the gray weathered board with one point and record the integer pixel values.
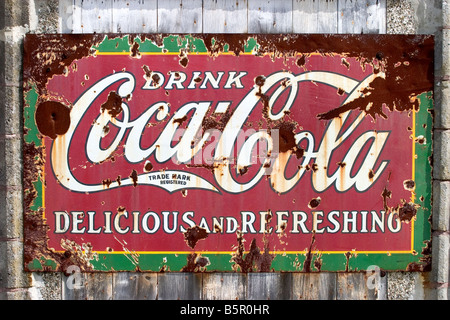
(223, 16)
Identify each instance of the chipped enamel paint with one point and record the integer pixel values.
(237, 153)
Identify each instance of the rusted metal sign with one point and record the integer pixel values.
(227, 152)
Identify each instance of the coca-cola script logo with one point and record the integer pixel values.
(235, 147)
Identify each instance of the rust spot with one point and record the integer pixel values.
(309, 254)
(148, 166)
(193, 235)
(301, 61)
(345, 63)
(371, 174)
(348, 255)
(314, 203)
(113, 104)
(340, 91)
(407, 212)
(106, 130)
(217, 228)
(318, 262)
(156, 78)
(260, 80)
(148, 72)
(183, 59)
(106, 182)
(134, 177)
(254, 260)
(52, 118)
(424, 264)
(218, 124)
(180, 120)
(420, 140)
(135, 50)
(287, 137)
(386, 194)
(243, 170)
(409, 185)
(205, 166)
(195, 263)
(379, 56)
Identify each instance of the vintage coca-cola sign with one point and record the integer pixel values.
(227, 152)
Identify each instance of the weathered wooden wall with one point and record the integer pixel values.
(221, 16)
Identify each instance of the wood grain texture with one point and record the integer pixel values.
(65, 18)
(314, 286)
(224, 286)
(355, 286)
(178, 16)
(179, 286)
(319, 16)
(269, 286)
(134, 286)
(93, 286)
(269, 16)
(226, 16)
(361, 16)
(93, 16)
(135, 16)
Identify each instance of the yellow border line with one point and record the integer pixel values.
(413, 196)
(272, 252)
(125, 53)
(231, 252)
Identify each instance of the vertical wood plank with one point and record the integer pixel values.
(314, 286)
(69, 292)
(315, 16)
(226, 16)
(134, 286)
(73, 287)
(353, 286)
(362, 16)
(178, 16)
(179, 286)
(269, 286)
(224, 286)
(376, 20)
(99, 286)
(95, 16)
(76, 17)
(381, 290)
(269, 16)
(65, 18)
(135, 16)
(92, 286)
